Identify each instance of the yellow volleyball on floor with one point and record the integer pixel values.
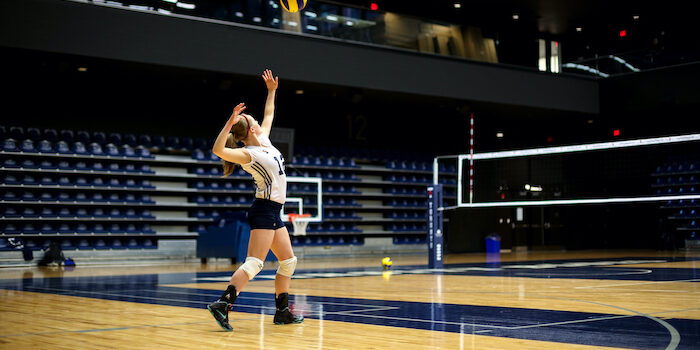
(386, 262)
(293, 5)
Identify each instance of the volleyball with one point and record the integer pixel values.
(293, 5)
(386, 262)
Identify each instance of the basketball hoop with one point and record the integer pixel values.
(299, 221)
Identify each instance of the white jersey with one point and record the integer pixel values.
(267, 167)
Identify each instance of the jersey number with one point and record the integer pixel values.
(280, 165)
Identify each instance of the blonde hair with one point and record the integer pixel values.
(239, 131)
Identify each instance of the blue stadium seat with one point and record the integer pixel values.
(111, 150)
(149, 244)
(33, 134)
(79, 148)
(10, 163)
(29, 164)
(99, 137)
(146, 228)
(128, 151)
(198, 155)
(158, 141)
(82, 228)
(64, 197)
(82, 136)
(98, 197)
(10, 213)
(130, 198)
(96, 149)
(98, 166)
(186, 143)
(10, 196)
(114, 197)
(131, 228)
(145, 141)
(67, 135)
(145, 198)
(16, 132)
(143, 152)
(11, 228)
(129, 139)
(63, 148)
(11, 179)
(173, 142)
(29, 180)
(99, 213)
(29, 229)
(51, 135)
(101, 244)
(201, 143)
(29, 197)
(45, 147)
(81, 181)
(130, 168)
(9, 145)
(132, 244)
(114, 167)
(65, 228)
(213, 157)
(99, 228)
(81, 213)
(48, 229)
(84, 244)
(81, 197)
(115, 213)
(114, 138)
(98, 182)
(146, 213)
(214, 185)
(145, 168)
(47, 213)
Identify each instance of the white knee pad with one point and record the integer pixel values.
(287, 267)
(252, 266)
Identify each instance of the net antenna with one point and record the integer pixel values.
(558, 150)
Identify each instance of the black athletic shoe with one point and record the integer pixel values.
(286, 317)
(219, 309)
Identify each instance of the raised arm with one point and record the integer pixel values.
(239, 155)
(269, 116)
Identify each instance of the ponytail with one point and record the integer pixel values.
(238, 132)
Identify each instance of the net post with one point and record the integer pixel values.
(435, 244)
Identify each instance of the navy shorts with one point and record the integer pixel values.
(265, 214)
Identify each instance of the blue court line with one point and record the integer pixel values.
(636, 331)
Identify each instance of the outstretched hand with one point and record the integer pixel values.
(270, 82)
(236, 115)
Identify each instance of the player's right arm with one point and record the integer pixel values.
(238, 155)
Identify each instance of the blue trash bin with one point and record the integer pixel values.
(493, 243)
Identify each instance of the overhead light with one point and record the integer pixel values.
(332, 18)
(171, 1)
(349, 23)
(185, 6)
(257, 19)
(299, 92)
(516, 17)
(635, 17)
(578, 29)
(373, 6)
(499, 135)
(292, 23)
(458, 5)
(310, 14)
(623, 33)
(164, 11)
(311, 27)
(239, 14)
(82, 69)
(590, 121)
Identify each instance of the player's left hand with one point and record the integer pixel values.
(270, 82)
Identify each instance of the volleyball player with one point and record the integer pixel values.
(267, 231)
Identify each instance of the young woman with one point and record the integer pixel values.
(267, 231)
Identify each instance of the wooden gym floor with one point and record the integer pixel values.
(555, 300)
